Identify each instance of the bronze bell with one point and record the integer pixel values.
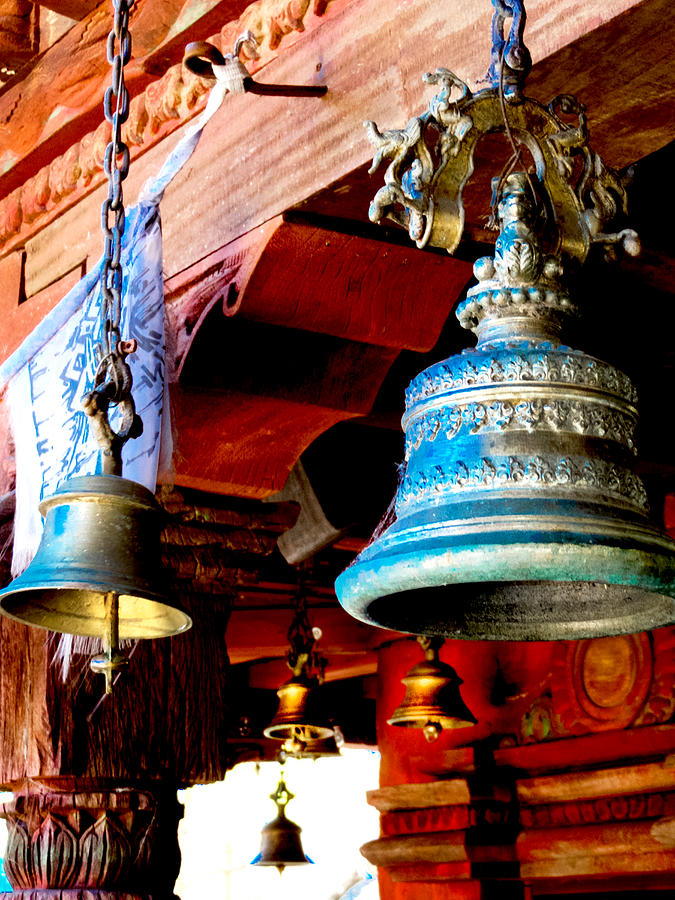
(520, 514)
(312, 749)
(432, 699)
(280, 843)
(298, 717)
(100, 544)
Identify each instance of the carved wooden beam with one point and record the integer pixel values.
(263, 394)
(72, 9)
(17, 36)
(336, 122)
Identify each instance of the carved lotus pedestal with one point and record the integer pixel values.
(70, 843)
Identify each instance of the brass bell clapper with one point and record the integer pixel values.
(280, 843)
(300, 719)
(432, 699)
(97, 571)
(520, 514)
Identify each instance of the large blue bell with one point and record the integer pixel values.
(519, 514)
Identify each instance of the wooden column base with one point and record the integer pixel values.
(93, 842)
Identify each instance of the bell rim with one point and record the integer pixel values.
(283, 731)
(384, 575)
(148, 596)
(427, 716)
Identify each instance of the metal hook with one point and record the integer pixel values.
(201, 56)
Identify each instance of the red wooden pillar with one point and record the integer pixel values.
(567, 783)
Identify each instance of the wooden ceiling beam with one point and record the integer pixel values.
(265, 140)
(72, 9)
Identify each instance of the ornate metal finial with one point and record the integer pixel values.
(281, 796)
(431, 159)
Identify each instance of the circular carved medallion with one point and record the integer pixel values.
(603, 682)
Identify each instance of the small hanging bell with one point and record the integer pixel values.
(314, 749)
(432, 699)
(280, 843)
(97, 570)
(299, 718)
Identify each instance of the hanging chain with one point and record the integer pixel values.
(116, 167)
(113, 380)
(302, 637)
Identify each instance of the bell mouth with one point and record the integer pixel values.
(78, 610)
(514, 571)
(423, 717)
(521, 611)
(305, 733)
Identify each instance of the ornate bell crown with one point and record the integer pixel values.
(519, 514)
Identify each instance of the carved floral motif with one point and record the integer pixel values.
(526, 415)
(598, 810)
(530, 362)
(172, 98)
(594, 475)
(91, 843)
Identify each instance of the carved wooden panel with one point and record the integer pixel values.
(17, 35)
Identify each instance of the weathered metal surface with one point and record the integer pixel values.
(101, 535)
(519, 515)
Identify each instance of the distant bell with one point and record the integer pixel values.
(101, 537)
(432, 699)
(299, 717)
(519, 515)
(280, 843)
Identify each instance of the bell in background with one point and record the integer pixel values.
(519, 514)
(97, 570)
(280, 843)
(324, 747)
(432, 699)
(299, 717)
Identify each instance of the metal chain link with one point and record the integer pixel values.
(300, 635)
(113, 380)
(116, 167)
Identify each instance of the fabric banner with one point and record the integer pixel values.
(46, 378)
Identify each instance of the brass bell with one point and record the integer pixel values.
(97, 570)
(432, 699)
(313, 749)
(298, 718)
(280, 843)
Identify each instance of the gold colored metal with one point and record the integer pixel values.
(280, 843)
(298, 718)
(432, 699)
(111, 660)
(311, 749)
(97, 570)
